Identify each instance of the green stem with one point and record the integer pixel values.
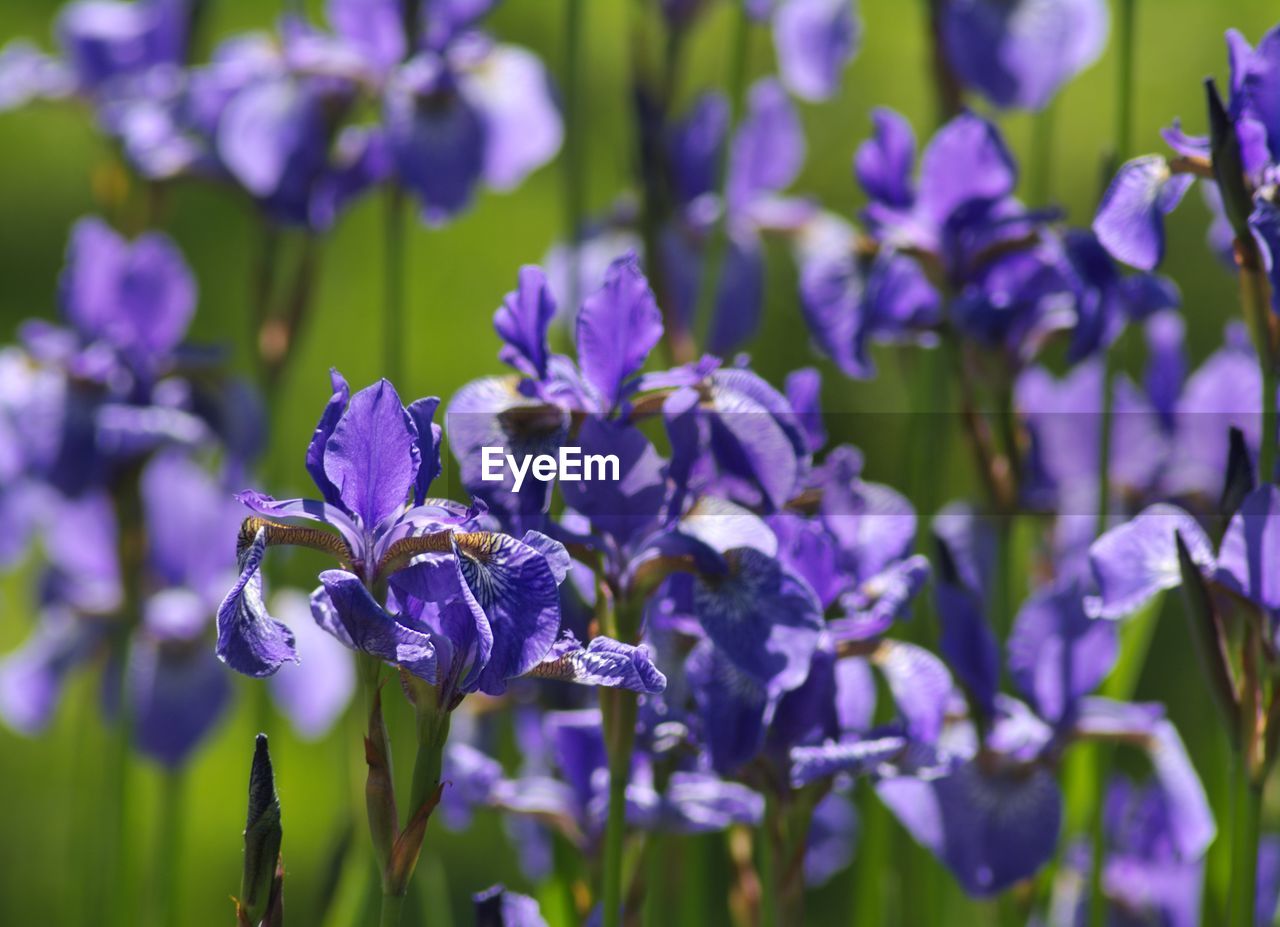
(393, 332)
(869, 878)
(768, 864)
(168, 868)
(619, 711)
(1126, 16)
(718, 237)
(575, 174)
(949, 97)
(1245, 831)
(392, 909)
(1042, 151)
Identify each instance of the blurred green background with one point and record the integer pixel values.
(49, 795)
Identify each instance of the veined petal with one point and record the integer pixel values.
(250, 641)
(1133, 562)
(603, 662)
(733, 707)
(1057, 654)
(516, 588)
(372, 456)
(374, 631)
(1130, 219)
(920, 684)
(763, 617)
(991, 829)
(852, 757)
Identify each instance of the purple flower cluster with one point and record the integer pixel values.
(739, 628)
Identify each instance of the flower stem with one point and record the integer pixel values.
(167, 874)
(767, 861)
(393, 332)
(619, 711)
(717, 245)
(949, 96)
(575, 174)
(1125, 19)
(392, 908)
(1247, 808)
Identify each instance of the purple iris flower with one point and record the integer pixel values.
(570, 794)
(1169, 439)
(1130, 219)
(176, 690)
(815, 40)
(1006, 751)
(467, 608)
(106, 41)
(766, 154)
(1019, 54)
(498, 907)
(458, 108)
(1144, 876)
(953, 226)
(1134, 562)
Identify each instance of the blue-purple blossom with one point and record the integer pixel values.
(1019, 54)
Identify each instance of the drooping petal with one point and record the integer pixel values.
(1249, 556)
(1130, 218)
(372, 457)
(832, 837)
(763, 617)
(516, 588)
(176, 696)
(815, 40)
(968, 641)
(314, 693)
(522, 322)
(523, 129)
(991, 829)
(697, 803)
(733, 707)
(768, 148)
(920, 684)
(617, 328)
(374, 631)
(1057, 654)
(250, 641)
(1133, 562)
(32, 677)
(1020, 53)
(438, 139)
(329, 418)
(603, 662)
